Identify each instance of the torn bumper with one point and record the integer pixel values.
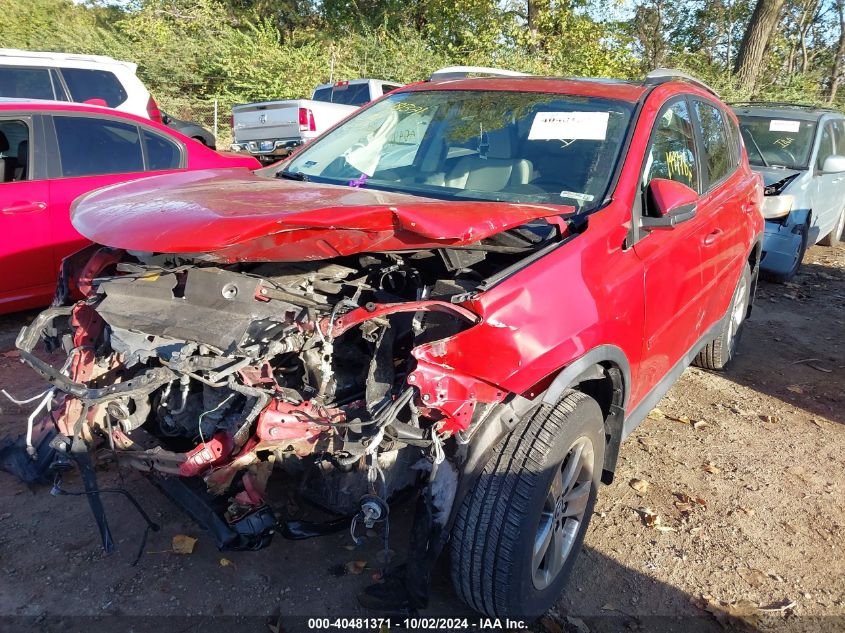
(782, 242)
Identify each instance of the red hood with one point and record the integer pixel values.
(235, 216)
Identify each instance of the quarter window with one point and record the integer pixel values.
(161, 153)
(90, 147)
(718, 151)
(85, 84)
(671, 153)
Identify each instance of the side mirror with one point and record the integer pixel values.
(668, 203)
(834, 164)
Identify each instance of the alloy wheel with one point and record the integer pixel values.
(563, 513)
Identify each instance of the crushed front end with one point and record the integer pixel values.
(320, 371)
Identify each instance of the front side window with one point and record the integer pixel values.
(85, 84)
(482, 145)
(826, 146)
(718, 152)
(14, 151)
(26, 83)
(671, 152)
(777, 141)
(90, 147)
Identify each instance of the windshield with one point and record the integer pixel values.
(777, 142)
(481, 145)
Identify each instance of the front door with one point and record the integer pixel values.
(672, 258)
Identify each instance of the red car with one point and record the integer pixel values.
(472, 287)
(51, 153)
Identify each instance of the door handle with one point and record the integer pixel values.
(28, 206)
(712, 237)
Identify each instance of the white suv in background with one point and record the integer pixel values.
(71, 77)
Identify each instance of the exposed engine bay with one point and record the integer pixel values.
(320, 370)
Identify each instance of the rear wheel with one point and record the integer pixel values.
(719, 352)
(519, 531)
(833, 238)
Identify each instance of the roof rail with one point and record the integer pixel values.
(460, 72)
(663, 75)
(782, 104)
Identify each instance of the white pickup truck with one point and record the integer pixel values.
(270, 130)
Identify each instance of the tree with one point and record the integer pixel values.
(754, 42)
(838, 55)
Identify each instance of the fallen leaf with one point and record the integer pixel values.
(355, 567)
(183, 544)
(650, 517)
(640, 485)
(794, 389)
(12, 353)
(699, 424)
(753, 577)
(745, 510)
(608, 607)
(656, 414)
(726, 612)
(550, 625)
(376, 576)
(225, 562)
(664, 528)
(710, 468)
(784, 606)
(683, 507)
(768, 418)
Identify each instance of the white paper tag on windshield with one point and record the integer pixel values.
(578, 126)
(776, 125)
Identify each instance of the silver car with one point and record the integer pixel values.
(800, 151)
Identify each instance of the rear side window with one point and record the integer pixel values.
(718, 151)
(14, 151)
(85, 84)
(90, 147)
(26, 83)
(346, 94)
(161, 153)
(671, 152)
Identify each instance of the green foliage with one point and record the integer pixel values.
(246, 50)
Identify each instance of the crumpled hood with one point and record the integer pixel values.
(772, 175)
(232, 215)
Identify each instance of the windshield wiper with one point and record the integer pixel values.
(292, 175)
(757, 147)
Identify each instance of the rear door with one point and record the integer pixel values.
(722, 207)
(672, 259)
(26, 269)
(89, 152)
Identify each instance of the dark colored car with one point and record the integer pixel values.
(190, 129)
(476, 288)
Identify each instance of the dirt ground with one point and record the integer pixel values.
(728, 510)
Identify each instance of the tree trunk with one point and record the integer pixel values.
(757, 35)
(839, 54)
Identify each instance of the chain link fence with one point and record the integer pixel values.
(212, 114)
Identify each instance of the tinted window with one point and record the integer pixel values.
(718, 152)
(87, 84)
(347, 94)
(89, 147)
(385, 88)
(671, 153)
(161, 153)
(14, 151)
(26, 83)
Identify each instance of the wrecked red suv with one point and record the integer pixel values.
(475, 288)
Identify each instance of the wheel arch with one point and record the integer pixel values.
(604, 374)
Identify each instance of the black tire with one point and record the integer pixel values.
(833, 238)
(493, 540)
(719, 352)
(782, 278)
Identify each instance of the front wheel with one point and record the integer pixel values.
(520, 529)
(833, 238)
(719, 352)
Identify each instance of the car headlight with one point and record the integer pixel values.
(777, 206)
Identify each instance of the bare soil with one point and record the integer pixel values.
(728, 511)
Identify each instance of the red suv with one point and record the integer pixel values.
(473, 287)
